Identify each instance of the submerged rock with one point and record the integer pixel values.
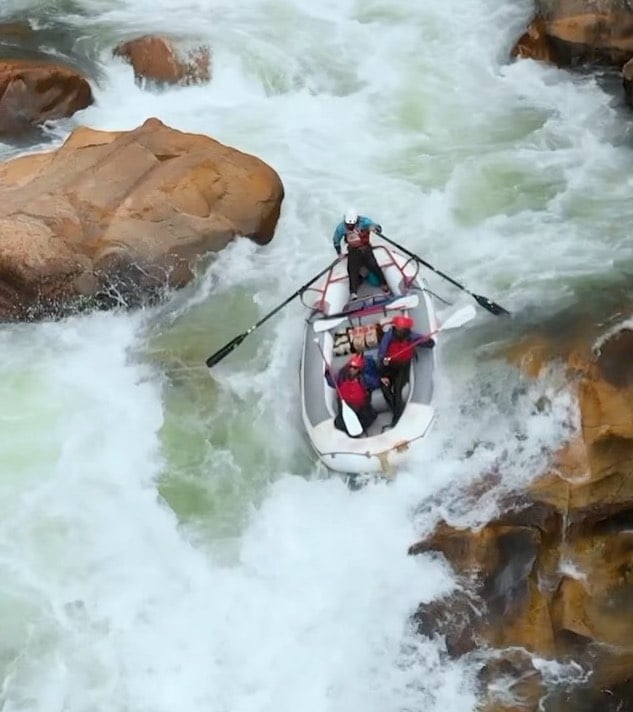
(162, 60)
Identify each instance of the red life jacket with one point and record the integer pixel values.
(357, 238)
(353, 392)
(401, 351)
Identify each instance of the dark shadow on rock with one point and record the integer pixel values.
(506, 588)
(454, 617)
(615, 359)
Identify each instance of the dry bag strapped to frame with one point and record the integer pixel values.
(357, 339)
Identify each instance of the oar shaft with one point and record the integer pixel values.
(328, 367)
(423, 262)
(416, 342)
(459, 318)
(372, 309)
(299, 291)
(350, 418)
(236, 341)
(486, 303)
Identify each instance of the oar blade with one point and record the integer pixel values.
(410, 301)
(490, 306)
(459, 318)
(225, 350)
(486, 303)
(352, 423)
(326, 324)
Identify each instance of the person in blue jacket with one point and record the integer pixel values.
(355, 230)
(395, 353)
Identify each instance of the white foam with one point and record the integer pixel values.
(506, 176)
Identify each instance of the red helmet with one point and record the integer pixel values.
(402, 322)
(357, 361)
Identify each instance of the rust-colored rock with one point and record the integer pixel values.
(597, 604)
(553, 574)
(162, 60)
(11, 30)
(124, 214)
(523, 688)
(530, 355)
(32, 92)
(535, 44)
(455, 617)
(615, 359)
(501, 558)
(580, 31)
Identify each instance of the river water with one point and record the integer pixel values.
(167, 540)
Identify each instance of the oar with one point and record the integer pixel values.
(352, 423)
(408, 302)
(234, 343)
(459, 318)
(486, 303)
(456, 319)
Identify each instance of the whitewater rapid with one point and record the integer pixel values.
(166, 538)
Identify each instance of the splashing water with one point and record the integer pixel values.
(166, 541)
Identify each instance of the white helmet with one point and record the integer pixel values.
(351, 216)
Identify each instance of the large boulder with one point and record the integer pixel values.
(162, 60)
(553, 573)
(33, 91)
(580, 31)
(123, 215)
